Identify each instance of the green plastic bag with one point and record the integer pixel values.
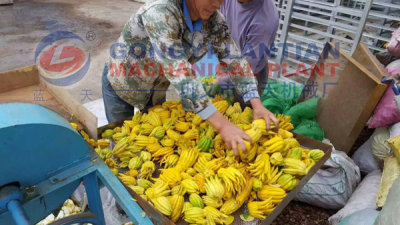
(303, 110)
(309, 128)
(282, 90)
(277, 106)
(281, 98)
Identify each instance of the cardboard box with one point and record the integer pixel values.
(349, 94)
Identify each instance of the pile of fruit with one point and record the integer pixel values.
(67, 209)
(180, 164)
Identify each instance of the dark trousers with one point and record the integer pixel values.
(262, 78)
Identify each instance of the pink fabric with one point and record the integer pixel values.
(393, 70)
(386, 112)
(394, 44)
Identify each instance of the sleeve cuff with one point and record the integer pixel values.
(250, 95)
(207, 112)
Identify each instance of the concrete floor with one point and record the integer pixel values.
(25, 23)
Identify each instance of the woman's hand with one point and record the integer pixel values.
(232, 135)
(260, 112)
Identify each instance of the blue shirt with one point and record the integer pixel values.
(193, 26)
(197, 26)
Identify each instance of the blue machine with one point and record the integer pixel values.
(42, 161)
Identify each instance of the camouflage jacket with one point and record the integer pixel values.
(157, 48)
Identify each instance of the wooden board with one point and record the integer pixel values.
(351, 96)
(19, 78)
(27, 95)
(25, 85)
(365, 57)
